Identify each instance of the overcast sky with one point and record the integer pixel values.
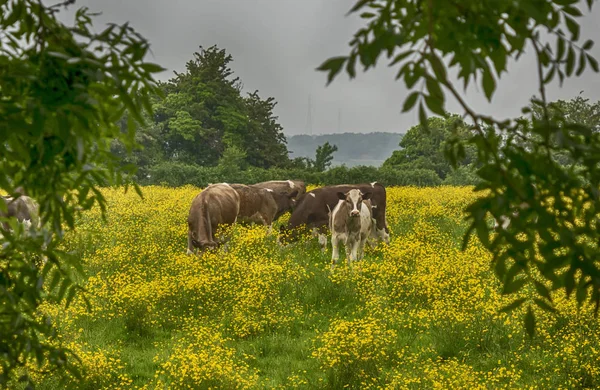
(277, 44)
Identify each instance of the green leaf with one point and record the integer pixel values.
(581, 292)
(401, 56)
(588, 44)
(570, 61)
(593, 63)
(367, 15)
(549, 75)
(488, 83)
(410, 101)
(560, 47)
(423, 116)
(582, 63)
(435, 105)
(573, 27)
(513, 287)
(439, 69)
(333, 66)
(512, 306)
(54, 281)
(70, 295)
(530, 322)
(351, 67)
(152, 68)
(542, 290)
(544, 305)
(572, 10)
(359, 4)
(434, 89)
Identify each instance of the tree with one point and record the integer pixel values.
(146, 154)
(424, 149)
(204, 112)
(577, 111)
(264, 141)
(201, 108)
(426, 39)
(323, 156)
(64, 88)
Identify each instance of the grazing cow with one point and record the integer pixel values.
(257, 205)
(217, 204)
(286, 186)
(504, 220)
(283, 197)
(345, 224)
(23, 208)
(312, 211)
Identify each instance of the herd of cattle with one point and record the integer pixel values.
(354, 213)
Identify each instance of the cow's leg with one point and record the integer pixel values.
(349, 252)
(354, 247)
(190, 247)
(323, 242)
(335, 255)
(363, 241)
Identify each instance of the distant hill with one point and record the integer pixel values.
(353, 148)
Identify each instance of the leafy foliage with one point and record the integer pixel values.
(555, 238)
(203, 113)
(424, 148)
(323, 156)
(64, 88)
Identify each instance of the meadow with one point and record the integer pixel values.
(417, 313)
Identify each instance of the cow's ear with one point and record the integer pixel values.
(341, 196)
(293, 194)
(367, 195)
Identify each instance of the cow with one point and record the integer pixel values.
(345, 223)
(312, 211)
(26, 211)
(217, 204)
(286, 186)
(23, 208)
(504, 221)
(367, 225)
(284, 199)
(257, 205)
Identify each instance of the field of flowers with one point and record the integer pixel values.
(417, 313)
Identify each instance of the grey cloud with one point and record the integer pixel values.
(277, 44)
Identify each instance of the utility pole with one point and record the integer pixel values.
(309, 118)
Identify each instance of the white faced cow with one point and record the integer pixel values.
(345, 224)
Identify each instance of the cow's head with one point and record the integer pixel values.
(203, 245)
(286, 201)
(353, 199)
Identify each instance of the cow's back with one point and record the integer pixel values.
(313, 207)
(255, 200)
(224, 204)
(285, 186)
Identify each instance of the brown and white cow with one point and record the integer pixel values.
(259, 205)
(284, 199)
(284, 186)
(312, 211)
(217, 204)
(23, 208)
(345, 223)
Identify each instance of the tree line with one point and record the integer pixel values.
(204, 130)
